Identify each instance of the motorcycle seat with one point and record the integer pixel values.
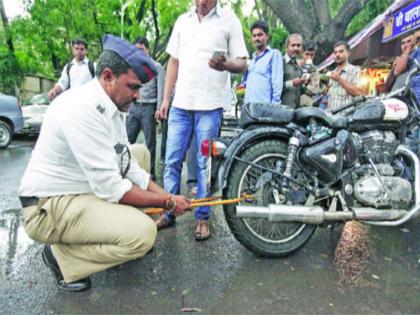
(262, 113)
(304, 114)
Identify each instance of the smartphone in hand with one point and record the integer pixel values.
(218, 54)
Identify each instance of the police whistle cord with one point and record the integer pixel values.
(208, 201)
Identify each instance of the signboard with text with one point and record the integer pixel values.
(402, 21)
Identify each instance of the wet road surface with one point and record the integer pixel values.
(218, 276)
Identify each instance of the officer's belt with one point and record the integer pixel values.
(145, 103)
(28, 201)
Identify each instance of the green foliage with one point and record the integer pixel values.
(369, 12)
(42, 38)
(10, 75)
(278, 37)
(158, 34)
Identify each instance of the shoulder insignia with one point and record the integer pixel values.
(100, 109)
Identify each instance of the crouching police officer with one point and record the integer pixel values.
(83, 181)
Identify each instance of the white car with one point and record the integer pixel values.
(33, 113)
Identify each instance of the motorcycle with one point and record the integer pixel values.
(307, 168)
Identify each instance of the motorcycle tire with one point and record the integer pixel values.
(246, 230)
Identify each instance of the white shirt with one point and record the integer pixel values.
(75, 151)
(193, 43)
(79, 74)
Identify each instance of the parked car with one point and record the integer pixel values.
(33, 113)
(11, 119)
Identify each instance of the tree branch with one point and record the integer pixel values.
(140, 13)
(161, 48)
(347, 11)
(322, 12)
(257, 9)
(156, 24)
(97, 23)
(295, 15)
(6, 28)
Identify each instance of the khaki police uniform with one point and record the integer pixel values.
(82, 165)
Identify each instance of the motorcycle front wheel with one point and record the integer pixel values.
(261, 236)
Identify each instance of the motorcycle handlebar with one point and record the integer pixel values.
(356, 100)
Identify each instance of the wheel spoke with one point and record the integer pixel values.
(270, 231)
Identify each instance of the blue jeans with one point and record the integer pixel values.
(182, 125)
(192, 164)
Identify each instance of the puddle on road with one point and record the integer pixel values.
(304, 281)
(14, 242)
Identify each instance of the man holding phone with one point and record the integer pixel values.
(344, 79)
(264, 76)
(206, 44)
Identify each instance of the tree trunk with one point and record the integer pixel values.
(312, 19)
(98, 24)
(157, 30)
(5, 22)
(141, 11)
(15, 69)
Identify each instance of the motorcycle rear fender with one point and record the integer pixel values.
(243, 141)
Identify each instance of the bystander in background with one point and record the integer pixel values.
(77, 72)
(263, 78)
(142, 113)
(312, 89)
(345, 78)
(292, 81)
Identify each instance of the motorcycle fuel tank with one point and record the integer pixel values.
(395, 110)
(378, 113)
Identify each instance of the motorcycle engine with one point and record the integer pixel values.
(395, 192)
(379, 146)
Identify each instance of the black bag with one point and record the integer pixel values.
(262, 113)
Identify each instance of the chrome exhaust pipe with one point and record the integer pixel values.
(315, 215)
(312, 215)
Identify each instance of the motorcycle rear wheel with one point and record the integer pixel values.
(261, 236)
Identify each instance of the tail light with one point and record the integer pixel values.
(215, 148)
(205, 147)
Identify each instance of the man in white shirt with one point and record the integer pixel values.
(81, 186)
(206, 43)
(77, 72)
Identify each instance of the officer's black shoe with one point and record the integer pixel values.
(76, 286)
(50, 262)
